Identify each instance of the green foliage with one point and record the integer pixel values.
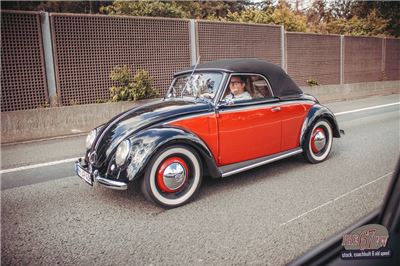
(55, 6)
(347, 17)
(174, 9)
(132, 87)
(45, 104)
(122, 75)
(373, 25)
(278, 16)
(251, 15)
(145, 8)
(371, 18)
(312, 82)
(291, 21)
(101, 100)
(389, 10)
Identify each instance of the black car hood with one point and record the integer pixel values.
(129, 122)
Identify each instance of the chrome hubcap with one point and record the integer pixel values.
(174, 176)
(318, 141)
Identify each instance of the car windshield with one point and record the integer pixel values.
(198, 85)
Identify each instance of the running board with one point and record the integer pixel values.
(235, 168)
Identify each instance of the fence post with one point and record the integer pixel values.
(341, 59)
(283, 50)
(193, 43)
(48, 58)
(383, 66)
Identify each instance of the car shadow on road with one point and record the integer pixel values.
(251, 177)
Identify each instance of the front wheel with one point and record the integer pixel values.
(173, 176)
(318, 142)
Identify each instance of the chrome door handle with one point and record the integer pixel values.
(276, 109)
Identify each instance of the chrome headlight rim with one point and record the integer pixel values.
(90, 138)
(123, 152)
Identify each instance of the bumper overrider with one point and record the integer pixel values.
(84, 172)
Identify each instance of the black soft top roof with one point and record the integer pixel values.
(281, 83)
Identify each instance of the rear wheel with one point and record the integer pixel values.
(318, 142)
(173, 176)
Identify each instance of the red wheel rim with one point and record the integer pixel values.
(318, 140)
(172, 175)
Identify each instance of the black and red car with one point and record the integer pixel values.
(201, 128)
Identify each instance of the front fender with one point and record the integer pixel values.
(315, 113)
(147, 142)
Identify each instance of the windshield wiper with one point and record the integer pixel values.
(190, 78)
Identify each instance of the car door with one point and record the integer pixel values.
(249, 129)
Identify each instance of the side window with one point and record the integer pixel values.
(246, 87)
(259, 87)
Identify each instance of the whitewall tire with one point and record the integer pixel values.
(318, 142)
(173, 176)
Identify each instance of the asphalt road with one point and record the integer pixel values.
(268, 215)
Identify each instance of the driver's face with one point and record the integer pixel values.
(236, 85)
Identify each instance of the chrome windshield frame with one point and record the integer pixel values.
(218, 89)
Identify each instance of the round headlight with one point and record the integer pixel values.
(122, 153)
(90, 138)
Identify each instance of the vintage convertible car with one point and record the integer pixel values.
(217, 119)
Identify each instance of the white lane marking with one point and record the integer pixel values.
(335, 199)
(367, 108)
(37, 165)
(73, 159)
(46, 139)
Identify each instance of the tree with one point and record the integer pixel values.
(217, 8)
(250, 15)
(282, 15)
(175, 9)
(371, 18)
(56, 6)
(341, 9)
(346, 17)
(389, 10)
(145, 8)
(373, 25)
(317, 13)
(292, 22)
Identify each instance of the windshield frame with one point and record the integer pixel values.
(218, 89)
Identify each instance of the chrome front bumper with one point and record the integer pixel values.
(96, 178)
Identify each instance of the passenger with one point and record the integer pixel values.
(237, 86)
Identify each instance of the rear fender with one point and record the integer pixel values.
(316, 113)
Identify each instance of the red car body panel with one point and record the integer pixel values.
(248, 133)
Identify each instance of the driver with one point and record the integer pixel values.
(237, 87)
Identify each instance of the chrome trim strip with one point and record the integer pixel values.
(251, 106)
(270, 160)
(259, 105)
(224, 81)
(218, 90)
(117, 185)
